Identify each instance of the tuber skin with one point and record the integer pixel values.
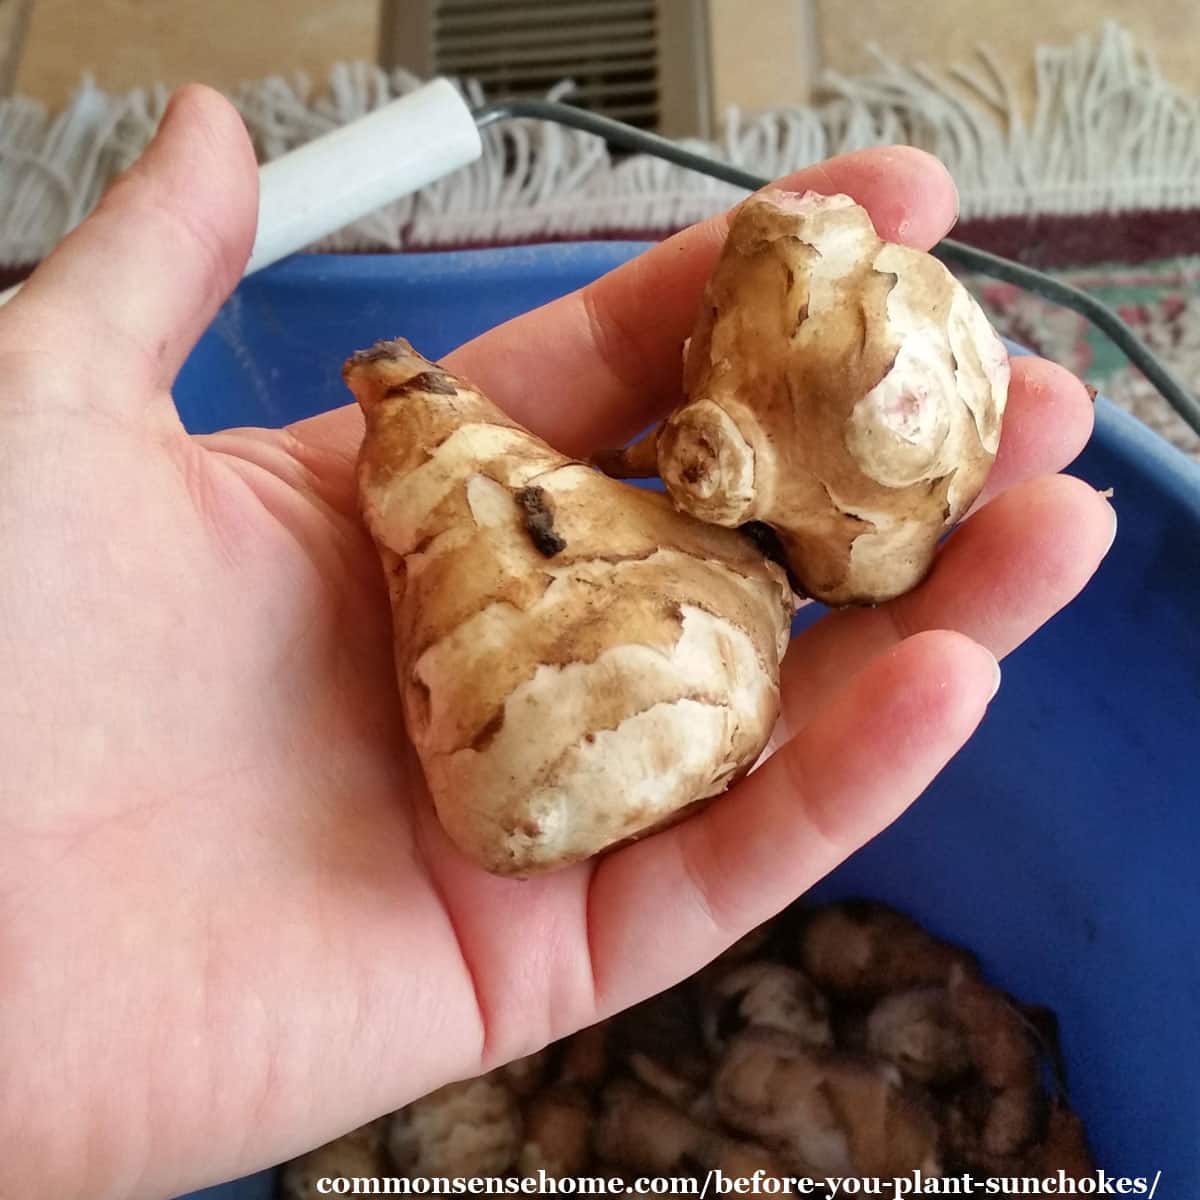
(845, 391)
(585, 1056)
(917, 1031)
(1003, 1052)
(466, 1129)
(863, 950)
(769, 996)
(578, 662)
(1064, 1148)
(525, 1075)
(823, 1112)
(558, 1123)
(643, 1132)
(660, 1042)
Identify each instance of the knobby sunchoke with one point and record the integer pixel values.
(472, 1128)
(844, 391)
(862, 949)
(525, 1075)
(660, 1042)
(822, 1112)
(578, 662)
(918, 1032)
(768, 996)
(558, 1129)
(1005, 1057)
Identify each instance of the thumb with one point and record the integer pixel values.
(141, 278)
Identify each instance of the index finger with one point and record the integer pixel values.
(595, 367)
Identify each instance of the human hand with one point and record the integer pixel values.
(229, 926)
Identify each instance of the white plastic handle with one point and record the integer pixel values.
(353, 170)
(324, 185)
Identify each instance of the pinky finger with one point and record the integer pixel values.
(846, 776)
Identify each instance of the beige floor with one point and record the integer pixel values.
(766, 51)
(133, 43)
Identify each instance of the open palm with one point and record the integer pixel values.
(229, 926)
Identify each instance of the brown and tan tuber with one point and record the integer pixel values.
(578, 662)
(842, 390)
(465, 1129)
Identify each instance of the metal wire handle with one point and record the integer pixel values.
(1095, 311)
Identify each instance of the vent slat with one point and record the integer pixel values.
(542, 78)
(486, 9)
(632, 32)
(466, 61)
(535, 15)
(647, 85)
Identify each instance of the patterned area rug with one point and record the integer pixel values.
(1160, 300)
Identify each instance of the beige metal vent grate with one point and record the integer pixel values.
(522, 48)
(641, 61)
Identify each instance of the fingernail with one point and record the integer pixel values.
(996, 683)
(1113, 538)
(169, 108)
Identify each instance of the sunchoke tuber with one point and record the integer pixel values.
(525, 1075)
(842, 390)
(768, 996)
(864, 950)
(461, 1130)
(823, 1112)
(578, 662)
(660, 1042)
(642, 1131)
(585, 1056)
(917, 1031)
(1002, 1049)
(558, 1128)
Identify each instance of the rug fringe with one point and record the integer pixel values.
(1107, 133)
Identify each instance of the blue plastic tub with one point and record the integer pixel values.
(1061, 844)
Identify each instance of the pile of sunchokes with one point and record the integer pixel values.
(839, 1041)
(581, 661)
